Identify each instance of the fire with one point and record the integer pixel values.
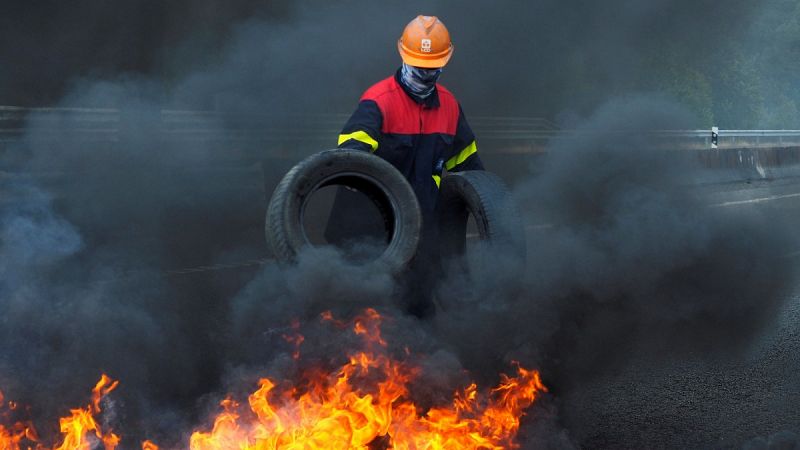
(77, 428)
(364, 404)
(147, 445)
(80, 430)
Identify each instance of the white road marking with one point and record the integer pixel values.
(715, 205)
(723, 204)
(757, 200)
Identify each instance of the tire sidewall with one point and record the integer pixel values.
(284, 227)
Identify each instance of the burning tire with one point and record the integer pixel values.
(484, 196)
(374, 177)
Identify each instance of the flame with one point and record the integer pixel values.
(365, 403)
(295, 338)
(147, 445)
(80, 430)
(79, 427)
(11, 436)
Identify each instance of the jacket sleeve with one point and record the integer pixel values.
(465, 150)
(362, 131)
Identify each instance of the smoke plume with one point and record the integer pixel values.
(626, 260)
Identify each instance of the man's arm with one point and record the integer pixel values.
(466, 150)
(362, 131)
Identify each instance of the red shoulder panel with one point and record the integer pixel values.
(380, 89)
(402, 115)
(443, 119)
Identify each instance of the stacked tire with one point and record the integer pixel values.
(480, 194)
(377, 179)
(485, 197)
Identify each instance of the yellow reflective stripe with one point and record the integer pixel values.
(438, 180)
(461, 156)
(360, 136)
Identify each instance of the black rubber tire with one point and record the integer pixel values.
(367, 173)
(485, 196)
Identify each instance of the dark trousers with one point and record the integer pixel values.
(348, 225)
(419, 282)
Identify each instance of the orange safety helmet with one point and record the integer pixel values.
(425, 43)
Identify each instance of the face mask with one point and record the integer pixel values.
(421, 82)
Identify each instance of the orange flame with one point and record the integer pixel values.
(295, 339)
(366, 403)
(79, 431)
(363, 405)
(11, 436)
(147, 445)
(78, 428)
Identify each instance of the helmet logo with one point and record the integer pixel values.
(425, 46)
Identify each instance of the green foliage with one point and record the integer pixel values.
(666, 73)
(749, 79)
(775, 46)
(738, 101)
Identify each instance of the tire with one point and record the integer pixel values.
(356, 169)
(484, 196)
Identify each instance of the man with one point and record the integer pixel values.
(413, 122)
(418, 126)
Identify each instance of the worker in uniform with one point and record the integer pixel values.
(418, 126)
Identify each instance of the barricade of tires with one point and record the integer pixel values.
(480, 194)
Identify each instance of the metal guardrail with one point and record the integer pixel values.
(520, 133)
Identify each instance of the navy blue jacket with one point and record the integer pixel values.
(422, 139)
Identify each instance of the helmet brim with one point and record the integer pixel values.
(424, 61)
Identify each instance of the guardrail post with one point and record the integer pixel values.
(714, 137)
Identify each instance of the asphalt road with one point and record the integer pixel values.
(653, 402)
(693, 401)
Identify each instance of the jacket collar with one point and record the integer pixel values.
(431, 101)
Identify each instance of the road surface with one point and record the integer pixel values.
(693, 401)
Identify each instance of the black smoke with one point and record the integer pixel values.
(631, 262)
(559, 57)
(632, 271)
(779, 440)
